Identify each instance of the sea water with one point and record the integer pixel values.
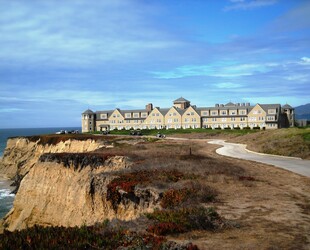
(6, 196)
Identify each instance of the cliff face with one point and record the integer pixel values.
(69, 189)
(21, 153)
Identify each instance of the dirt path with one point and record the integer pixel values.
(239, 151)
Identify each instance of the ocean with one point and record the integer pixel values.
(6, 197)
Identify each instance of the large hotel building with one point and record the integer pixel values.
(184, 115)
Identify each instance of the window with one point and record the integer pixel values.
(233, 119)
(103, 116)
(205, 119)
(223, 112)
(127, 115)
(174, 114)
(193, 119)
(143, 115)
(186, 120)
(242, 119)
(233, 112)
(157, 114)
(242, 112)
(205, 113)
(223, 119)
(214, 119)
(169, 120)
(192, 113)
(175, 120)
(214, 113)
(271, 118)
(136, 115)
(252, 119)
(271, 111)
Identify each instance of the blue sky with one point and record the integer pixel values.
(59, 58)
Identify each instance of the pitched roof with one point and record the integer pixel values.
(88, 111)
(287, 106)
(230, 104)
(181, 99)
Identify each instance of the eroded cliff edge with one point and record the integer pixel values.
(65, 183)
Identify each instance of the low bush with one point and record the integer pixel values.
(184, 220)
(246, 178)
(78, 160)
(91, 237)
(172, 197)
(128, 181)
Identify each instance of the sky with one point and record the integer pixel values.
(59, 58)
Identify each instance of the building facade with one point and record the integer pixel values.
(184, 115)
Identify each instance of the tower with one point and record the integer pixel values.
(181, 103)
(290, 114)
(88, 121)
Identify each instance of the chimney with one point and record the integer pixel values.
(217, 105)
(149, 107)
(248, 104)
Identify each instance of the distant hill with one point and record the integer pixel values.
(303, 112)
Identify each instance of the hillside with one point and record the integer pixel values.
(303, 112)
(289, 142)
(179, 190)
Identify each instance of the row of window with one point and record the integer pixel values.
(223, 112)
(222, 119)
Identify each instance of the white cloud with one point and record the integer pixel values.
(305, 60)
(227, 85)
(10, 110)
(103, 31)
(249, 5)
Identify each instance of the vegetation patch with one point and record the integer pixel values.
(128, 181)
(91, 237)
(54, 139)
(246, 178)
(77, 160)
(185, 196)
(175, 197)
(184, 220)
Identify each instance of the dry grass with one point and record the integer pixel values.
(289, 142)
(266, 206)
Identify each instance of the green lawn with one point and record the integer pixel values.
(153, 132)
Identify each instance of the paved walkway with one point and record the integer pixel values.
(239, 151)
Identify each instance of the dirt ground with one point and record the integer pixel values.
(266, 207)
(272, 212)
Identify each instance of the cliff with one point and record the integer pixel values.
(60, 188)
(22, 153)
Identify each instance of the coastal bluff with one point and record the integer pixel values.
(64, 182)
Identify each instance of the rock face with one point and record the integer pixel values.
(21, 153)
(69, 189)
